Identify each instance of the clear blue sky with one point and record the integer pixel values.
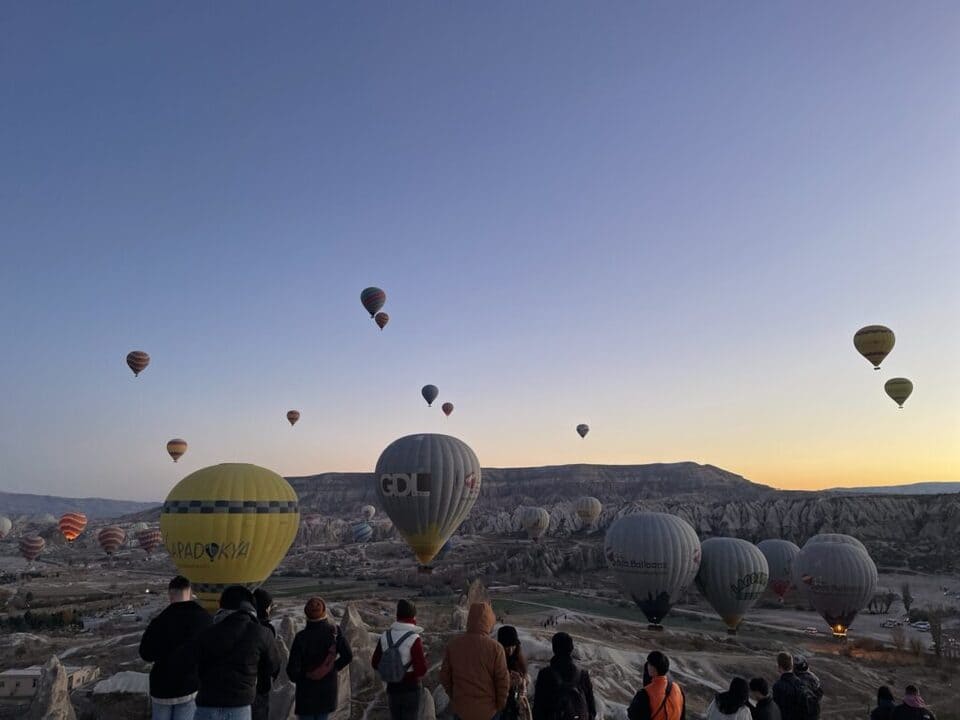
(664, 220)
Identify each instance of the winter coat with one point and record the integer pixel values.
(231, 654)
(264, 680)
(311, 646)
(562, 669)
(167, 643)
(788, 694)
(883, 710)
(474, 671)
(715, 713)
(659, 692)
(906, 712)
(765, 709)
(411, 652)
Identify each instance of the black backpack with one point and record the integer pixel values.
(571, 703)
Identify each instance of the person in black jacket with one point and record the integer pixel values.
(261, 705)
(560, 674)
(166, 643)
(232, 654)
(764, 708)
(788, 690)
(319, 652)
(885, 704)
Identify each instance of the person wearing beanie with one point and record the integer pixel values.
(231, 655)
(660, 697)
(403, 696)
(474, 671)
(913, 706)
(318, 653)
(518, 705)
(562, 688)
(261, 705)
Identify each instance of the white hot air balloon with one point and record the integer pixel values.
(535, 521)
(588, 509)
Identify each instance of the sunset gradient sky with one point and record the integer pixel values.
(663, 220)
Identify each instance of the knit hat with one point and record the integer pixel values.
(315, 609)
(800, 663)
(406, 610)
(507, 636)
(562, 644)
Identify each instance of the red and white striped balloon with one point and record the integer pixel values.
(31, 546)
(111, 539)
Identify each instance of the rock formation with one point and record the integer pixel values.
(52, 701)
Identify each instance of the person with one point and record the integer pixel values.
(788, 690)
(232, 654)
(764, 708)
(885, 704)
(166, 643)
(732, 704)
(474, 670)
(318, 653)
(811, 683)
(518, 705)
(403, 696)
(261, 704)
(660, 698)
(913, 707)
(563, 691)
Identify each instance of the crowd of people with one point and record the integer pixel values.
(223, 667)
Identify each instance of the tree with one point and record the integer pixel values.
(899, 637)
(936, 630)
(888, 601)
(906, 596)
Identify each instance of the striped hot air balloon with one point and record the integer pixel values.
(362, 532)
(176, 448)
(899, 389)
(138, 361)
(381, 319)
(31, 546)
(874, 342)
(373, 299)
(149, 539)
(535, 521)
(780, 555)
(111, 539)
(72, 524)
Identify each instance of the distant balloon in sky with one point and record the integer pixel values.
(447, 408)
(5, 526)
(176, 448)
(138, 361)
(655, 557)
(427, 485)
(71, 525)
(899, 390)
(367, 512)
(429, 393)
(535, 521)
(111, 539)
(229, 524)
(582, 430)
(293, 416)
(31, 546)
(381, 319)
(780, 555)
(373, 299)
(149, 539)
(874, 342)
(733, 575)
(588, 510)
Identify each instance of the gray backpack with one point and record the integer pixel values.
(391, 667)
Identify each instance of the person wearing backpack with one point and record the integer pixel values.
(401, 663)
(660, 698)
(812, 691)
(474, 671)
(318, 653)
(563, 691)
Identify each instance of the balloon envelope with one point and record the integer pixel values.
(111, 539)
(149, 539)
(874, 342)
(582, 430)
(293, 416)
(733, 575)
(535, 521)
(834, 538)
(655, 557)
(31, 546)
(588, 509)
(427, 485)
(429, 393)
(176, 448)
(72, 524)
(898, 389)
(137, 361)
(381, 319)
(362, 532)
(373, 299)
(839, 580)
(447, 408)
(780, 555)
(367, 512)
(5, 526)
(229, 524)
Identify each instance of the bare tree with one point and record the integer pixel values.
(888, 601)
(906, 596)
(899, 637)
(936, 630)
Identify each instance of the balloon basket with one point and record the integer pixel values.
(655, 627)
(731, 631)
(424, 570)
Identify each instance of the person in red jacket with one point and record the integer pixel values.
(404, 696)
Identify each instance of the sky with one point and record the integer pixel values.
(665, 220)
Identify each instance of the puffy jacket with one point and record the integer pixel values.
(658, 693)
(411, 652)
(906, 712)
(765, 709)
(265, 681)
(167, 643)
(311, 646)
(788, 694)
(232, 653)
(561, 669)
(715, 713)
(474, 671)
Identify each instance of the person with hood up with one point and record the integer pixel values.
(660, 698)
(732, 704)
(562, 689)
(261, 705)
(885, 704)
(403, 696)
(166, 643)
(474, 671)
(518, 705)
(812, 686)
(764, 708)
(318, 653)
(913, 707)
(231, 655)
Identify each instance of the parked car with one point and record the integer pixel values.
(921, 625)
(811, 631)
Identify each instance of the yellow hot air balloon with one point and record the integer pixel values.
(874, 342)
(898, 389)
(176, 448)
(229, 524)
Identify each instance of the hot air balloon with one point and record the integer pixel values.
(293, 416)
(31, 546)
(733, 575)
(427, 485)
(655, 557)
(447, 408)
(834, 538)
(582, 430)
(229, 524)
(138, 361)
(111, 539)
(381, 319)
(362, 532)
(313, 519)
(149, 539)
(137, 527)
(874, 342)
(5, 526)
(588, 509)
(367, 512)
(780, 555)
(72, 524)
(373, 299)
(429, 393)
(840, 579)
(899, 390)
(535, 521)
(176, 448)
